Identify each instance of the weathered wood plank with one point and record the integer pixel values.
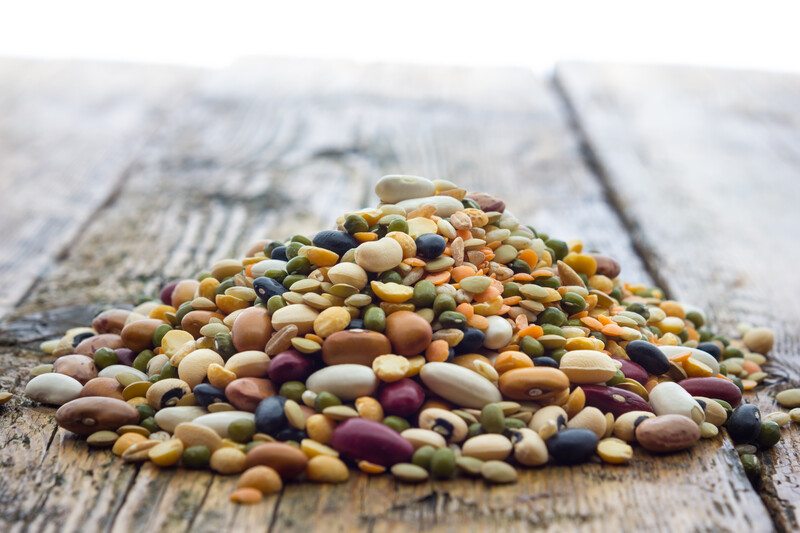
(275, 148)
(68, 132)
(705, 165)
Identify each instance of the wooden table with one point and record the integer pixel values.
(114, 178)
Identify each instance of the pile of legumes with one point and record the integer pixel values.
(431, 337)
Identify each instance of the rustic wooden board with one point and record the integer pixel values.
(275, 148)
(67, 134)
(705, 166)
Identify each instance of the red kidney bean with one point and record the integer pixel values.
(401, 398)
(717, 388)
(614, 400)
(362, 439)
(633, 370)
(290, 365)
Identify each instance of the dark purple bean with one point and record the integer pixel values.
(633, 371)
(614, 400)
(290, 365)
(166, 292)
(716, 388)
(125, 356)
(401, 398)
(362, 439)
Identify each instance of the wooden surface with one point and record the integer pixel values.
(189, 166)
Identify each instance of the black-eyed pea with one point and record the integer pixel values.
(708, 430)
(614, 451)
(714, 412)
(444, 422)
(625, 424)
(369, 408)
(529, 447)
(320, 428)
(551, 413)
(590, 418)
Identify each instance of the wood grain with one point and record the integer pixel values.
(68, 133)
(705, 164)
(268, 149)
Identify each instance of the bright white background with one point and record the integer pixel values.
(758, 34)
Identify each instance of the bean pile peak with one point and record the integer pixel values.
(435, 336)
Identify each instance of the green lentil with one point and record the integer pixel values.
(498, 472)
(104, 357)
(514, 423)
(442, 303)
(375, 319)
(292, 249)
(241, 430)
(572, 303)
(531, 347)
(293, 390)
(453, 319)
(325, 399)
(149, 424)
(424, 294)
(356, 224)
(470, 466)
(443, 463)
(396, 423)
(274, 303)
(752, 467)
(769, 435)
(422, 456)
(492, 418)
(291, 279)
(398, 224)
(299, 265)
(145, 411)
(410, 473)
(552, 315)
(196, 456)
(169, 371)
(159, 333)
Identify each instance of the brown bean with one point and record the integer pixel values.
(138, 335)
(92, 344)
(194, 320)
(76, 366)
(85, 416)
(285, 459)
(251, 329)
(667, 433)
(538, 383)
(246, 393)
(107, 387)
(354, 346)
(110, 321)
(408, 332)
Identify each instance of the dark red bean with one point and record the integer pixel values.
(633, 371)
(401, 398)
(166, 292)
(362, 439)
(717, 388)
(614, 400)
(290, 365)
(607, 266)
(125, 356)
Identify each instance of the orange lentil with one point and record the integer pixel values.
(365, 236)
(464, 234)
(414, 262)
(750, 366)
(533, 330)
(510, 347)
(580, 314)
(315, 338)
(521, 321)
(437, 351)
(460, 272)
(681, 358)
(612, 329)
(512, 300)
(248, 270)
(605, 320)
(503, 309)
(522, 277)
(511, 359)
(494, 245)
(478, 321)
(465, 309)
(489, 294)
(541, 273)
(440, 278)
(592, 323)
(529, 256)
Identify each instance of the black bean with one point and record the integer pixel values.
(472, 341)
(266, 288)
(572, 446)
(648, 356)
(205, 394)
(710, 348)
(336, 241)
(269, 415)
(744, 424)
(430, 245)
